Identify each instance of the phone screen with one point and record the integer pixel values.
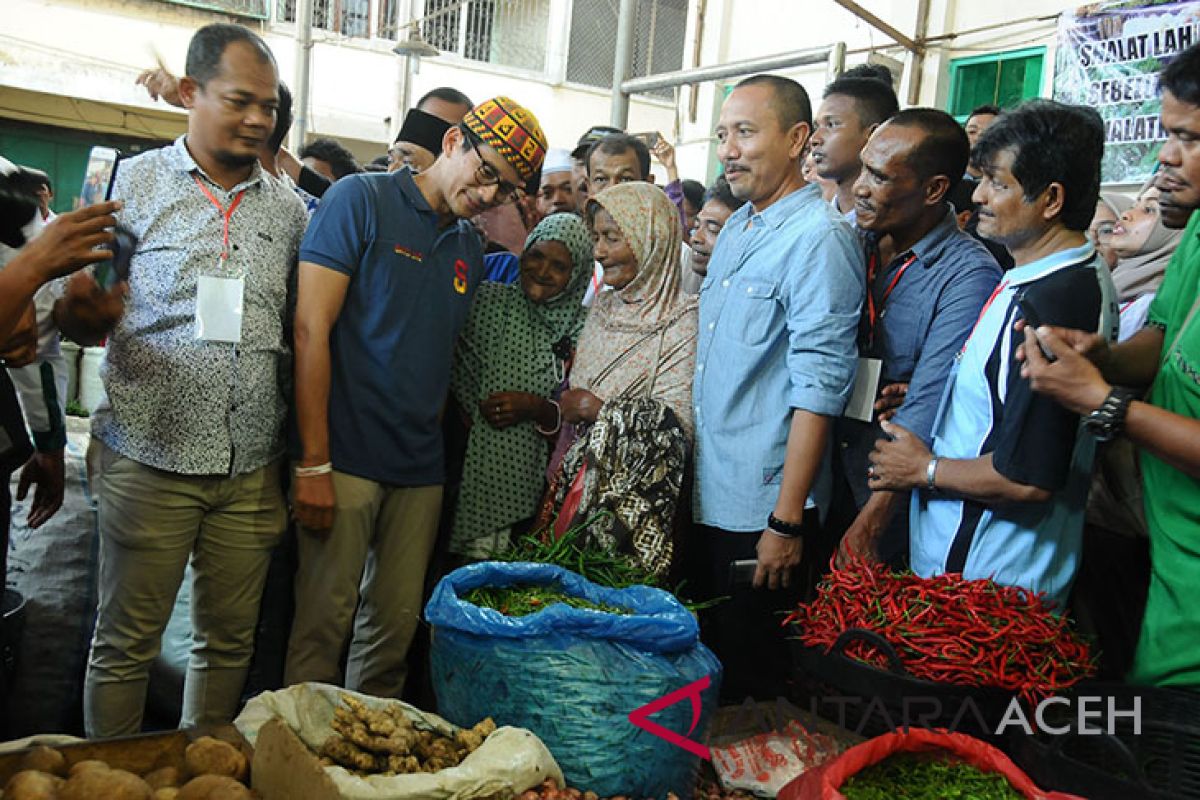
(98, 177)
(741, 573)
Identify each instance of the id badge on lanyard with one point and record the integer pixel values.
(220, 299)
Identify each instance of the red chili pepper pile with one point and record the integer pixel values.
(949, 630)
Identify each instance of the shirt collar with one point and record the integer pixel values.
(1052, 263)
(782, 209)
(929, 247)
(410, 190)
(185, 163)
(932, 243)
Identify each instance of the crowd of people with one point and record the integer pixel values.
(879, 334)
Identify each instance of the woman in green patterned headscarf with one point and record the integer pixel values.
(511, 357)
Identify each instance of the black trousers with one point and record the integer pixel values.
(745, 631)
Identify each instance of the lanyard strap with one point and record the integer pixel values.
(995, 293)
(226, 214)
(873, 313)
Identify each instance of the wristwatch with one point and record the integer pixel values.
(1106, 421)
(785, 530)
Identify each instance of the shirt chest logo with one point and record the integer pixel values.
(460, 276)
(401, 250)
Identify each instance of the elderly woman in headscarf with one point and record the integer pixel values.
(631, 386)
(1143, 246)
(512, 356)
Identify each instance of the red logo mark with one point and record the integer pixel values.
(460, 276)
(640, 717)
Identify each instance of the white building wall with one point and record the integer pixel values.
(735, 30)
(94, 49)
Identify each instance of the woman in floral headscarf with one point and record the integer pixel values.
(631, 386)
(511, 356)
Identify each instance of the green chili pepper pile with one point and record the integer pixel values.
(906, 776)
(949, 630)
(525, 599)
(572, 551)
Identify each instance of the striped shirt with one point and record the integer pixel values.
(988, 407)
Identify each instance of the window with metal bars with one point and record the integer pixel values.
(510, 33)
(658, 41)
(347, 17)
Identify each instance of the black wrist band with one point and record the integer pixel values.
(788, 530)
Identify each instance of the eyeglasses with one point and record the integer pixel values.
(487, 175)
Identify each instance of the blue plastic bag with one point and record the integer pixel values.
(572, 676)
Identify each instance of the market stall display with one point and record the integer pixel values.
(947, 630)
(179, 765)
(290, 730)
(387, 742)
(918, 765)
(574, 675)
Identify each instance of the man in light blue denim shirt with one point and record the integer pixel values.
(775, 364)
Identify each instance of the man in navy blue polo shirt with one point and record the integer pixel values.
(1002, 491)
(388, 270)
(926, 282)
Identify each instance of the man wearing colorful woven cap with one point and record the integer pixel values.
(388, 269)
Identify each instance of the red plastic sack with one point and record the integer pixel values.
(823, 782)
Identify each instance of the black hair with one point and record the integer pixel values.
(339, 159)
(1182, 76)
(209, 43)
(875, 101)
(446, 94)
(790, 104)
(945, 150)
(617, 143)
(961, 196)
(874, 72)
(990, 109)
(283, 119)
(1051, 142)
(693, 192)
(35, 178)
(377, 164)
(721, 192)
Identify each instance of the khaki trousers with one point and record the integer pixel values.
(373, 560)
(151, 524)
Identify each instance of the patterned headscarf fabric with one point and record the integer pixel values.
(635, 457)
(508, 345)
(512, 131)
(650, 223)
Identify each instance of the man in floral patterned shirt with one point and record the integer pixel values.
(191, 435)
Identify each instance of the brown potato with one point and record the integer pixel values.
(167, 793)
(45, 759)
(209, 756)
(214, 787)
(163, 778)
(111, 784)
(30, 784)
(84, 766)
